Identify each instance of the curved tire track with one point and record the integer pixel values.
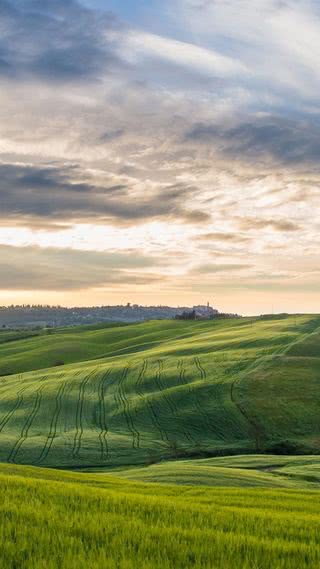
(145, 398)
(201, 410)
(124, 406)
(103, 435)
(15, 408)
(171, 404)
(26, 427)
(79, 413)
(183, 381)
(54, 422)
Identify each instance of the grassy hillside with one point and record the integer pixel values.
(74, 521)
(138, 394)
(256, 471)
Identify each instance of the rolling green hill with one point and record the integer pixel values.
(77, 521)
(142, 418)
(256, 471)
(140, 394)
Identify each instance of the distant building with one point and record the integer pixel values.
(205, 311)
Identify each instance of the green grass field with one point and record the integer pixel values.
(264, 471)
(174, 445)
(54, 519)
(139, 394)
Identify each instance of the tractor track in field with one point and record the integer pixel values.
(154, 418)
(202, 371)
(15, 408)
(183, 381)
(28, 423)
(54, 422)
(79, 413)
(202, 411)
(140, 379)
(171, 404)
(102, 420)
(138, 387)
(124, 405)
(257, 430)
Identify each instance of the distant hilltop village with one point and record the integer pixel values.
(200, 312)
(28, 316)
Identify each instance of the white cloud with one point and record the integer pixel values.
(278, 41)
(139, 45)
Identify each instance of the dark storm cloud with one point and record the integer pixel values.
(35, 268)
(54, 39)
(275, 138)
(56, 194)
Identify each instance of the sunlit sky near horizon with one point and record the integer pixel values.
(160, 152)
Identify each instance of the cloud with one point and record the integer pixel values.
(284, 225)
(35, 268)
(222, 237)
(56, 41)
(140, 45)
(267, 37)
(271, 139)
(67, 193)
(212, 268)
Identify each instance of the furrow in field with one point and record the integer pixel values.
(140, 379)
(54, 422)
(200, 368)
(138, 387)
(79, 413)
(258, 432)
(171, 404)
(124, 406)
(102, 419)
(199, 405)
(254, 427)
(25, 429)
(183, 381)
(15, 408)
(145, 398)
(200, 411)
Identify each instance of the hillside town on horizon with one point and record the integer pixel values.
(46, 316)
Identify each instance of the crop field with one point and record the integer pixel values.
(169, 445)
(259, 471)
(140, 394)
(74, 521)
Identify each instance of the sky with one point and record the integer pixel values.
(160, 152)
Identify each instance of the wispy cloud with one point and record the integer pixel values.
(139, 46)
(35, 268)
